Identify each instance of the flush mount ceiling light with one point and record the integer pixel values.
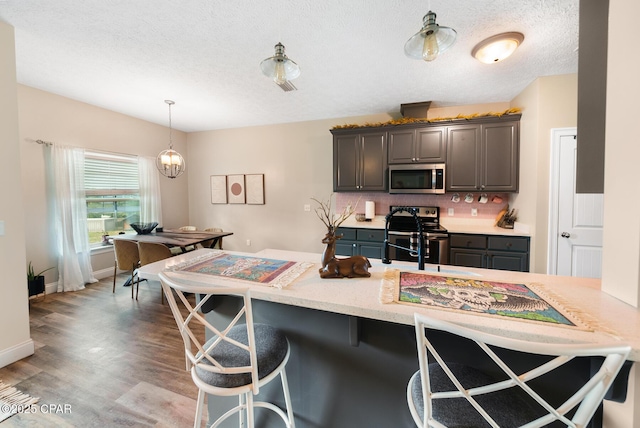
(280, 68)
(169, 162)
(498, 47)
(431, 40)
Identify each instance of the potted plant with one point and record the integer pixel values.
(35, 281)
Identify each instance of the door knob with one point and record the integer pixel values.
(565, 234)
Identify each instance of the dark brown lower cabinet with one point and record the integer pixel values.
(360, 242)
(490, 251)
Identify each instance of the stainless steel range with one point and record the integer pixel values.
(410, 228)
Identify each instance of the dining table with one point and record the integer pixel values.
(176, 238)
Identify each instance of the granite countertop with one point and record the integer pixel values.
(610, 320)
(481, 227)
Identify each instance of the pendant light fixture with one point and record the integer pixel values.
(498, 47)
(431, 40)
(169, 162)
(280, 68)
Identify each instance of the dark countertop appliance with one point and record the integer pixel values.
(415, 234)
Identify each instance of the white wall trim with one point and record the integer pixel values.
(554, 193)
(103, 273)
(52, 287)
(16, 353)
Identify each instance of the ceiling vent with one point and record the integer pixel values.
(415, 110)
(287, 86)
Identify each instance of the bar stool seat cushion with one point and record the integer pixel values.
(271, 350)
(513, 407)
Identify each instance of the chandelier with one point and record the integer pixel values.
(431, 40)
(169, 162)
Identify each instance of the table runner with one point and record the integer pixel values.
(271, 272)
(526, 302)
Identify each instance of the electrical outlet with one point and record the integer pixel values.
(474, 212)
(248, 242)
(450, 212)
(307, 207)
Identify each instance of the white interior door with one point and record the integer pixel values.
(578, 234)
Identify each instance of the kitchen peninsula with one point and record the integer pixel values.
(352, 356)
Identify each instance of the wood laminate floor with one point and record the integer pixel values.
(103, 359)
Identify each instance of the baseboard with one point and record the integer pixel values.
(52, 287)
(103, 273)
(17, 352)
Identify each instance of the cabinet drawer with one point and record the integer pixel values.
(347, 233)
(468, 241)
(509, 243)
(371, 235)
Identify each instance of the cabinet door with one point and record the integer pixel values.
(373, 164)
(500, 157)
(346, 248)
(430, 145)
(463, 152)
(346, 162)
(370, 250)
(508, 261)
(468, 258)
(401, 146)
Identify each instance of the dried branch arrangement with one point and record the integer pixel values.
(333, 221)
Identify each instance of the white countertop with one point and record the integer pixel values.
(611, 319)
(453, 225)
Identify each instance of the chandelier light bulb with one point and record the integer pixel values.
(430, 49)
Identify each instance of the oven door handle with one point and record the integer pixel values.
(395, 233)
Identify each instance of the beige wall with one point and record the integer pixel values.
(621, 259)
(296, 160)
(15, 341)
(50, 117)
(548, 103)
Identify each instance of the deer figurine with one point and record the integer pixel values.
(333, 267)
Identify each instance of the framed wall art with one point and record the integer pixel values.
(235, 189)
(254, 186)
(218, 189)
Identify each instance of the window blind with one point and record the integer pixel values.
(110, 174)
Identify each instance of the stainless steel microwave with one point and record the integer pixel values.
(417, 178)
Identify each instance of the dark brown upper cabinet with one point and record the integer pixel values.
(483, 157)
(359, 160)
(418, 145)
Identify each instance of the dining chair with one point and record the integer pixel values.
(127, 258)
(207, 243)
(151, 252)
(445, 394)
(237, 359)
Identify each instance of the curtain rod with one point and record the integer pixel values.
(49, 143)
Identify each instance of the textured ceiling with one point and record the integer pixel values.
(129, 56)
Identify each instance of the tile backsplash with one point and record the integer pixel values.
(461, 209)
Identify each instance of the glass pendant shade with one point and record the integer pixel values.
(169, 162)
(497, 48)
(430, 41)
(280, 68)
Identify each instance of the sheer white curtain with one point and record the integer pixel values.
(70, 212)
(150, 200)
